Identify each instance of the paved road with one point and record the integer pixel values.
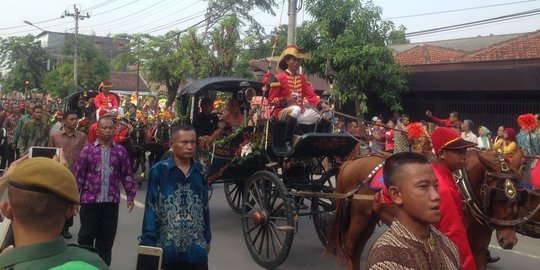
(229, 250)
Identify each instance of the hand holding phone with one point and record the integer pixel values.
(149, 258)
(48, 152)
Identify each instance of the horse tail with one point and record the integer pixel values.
(339, 227)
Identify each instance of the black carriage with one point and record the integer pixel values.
(269, 185)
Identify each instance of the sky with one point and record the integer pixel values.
(159, 16)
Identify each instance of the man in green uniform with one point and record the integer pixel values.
(42, 194)
(23, 119)
(34, 132)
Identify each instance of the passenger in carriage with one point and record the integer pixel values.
(206, 120)
(233, 116)
(291, 91)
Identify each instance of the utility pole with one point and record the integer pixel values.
(291, 31)
(77, 16)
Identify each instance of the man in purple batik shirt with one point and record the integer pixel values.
(100, 169)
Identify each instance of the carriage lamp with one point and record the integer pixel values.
(247, 94)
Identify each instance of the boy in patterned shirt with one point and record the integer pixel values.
(411, 242)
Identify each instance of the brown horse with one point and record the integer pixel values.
(355, 220)
(531, 216)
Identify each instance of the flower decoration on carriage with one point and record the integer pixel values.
(415, 131)
(219, 104)
(139, 115)
(168, 115)
(527, 122)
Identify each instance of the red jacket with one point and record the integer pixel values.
(451, 223)
(102, 101)
(120, 134)
(445, 122)
(286, 86)
(92, 133)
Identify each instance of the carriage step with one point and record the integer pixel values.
(271, 165)
(285, 228)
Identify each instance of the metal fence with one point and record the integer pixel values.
(487, 111)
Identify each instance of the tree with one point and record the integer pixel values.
(178, 56)
(348, 44)
(224, 47)
(219, 9)
(25, 60)
(92, 69)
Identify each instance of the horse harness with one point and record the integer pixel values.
(506, 191)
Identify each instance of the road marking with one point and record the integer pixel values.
(516, 252)
(138, 204)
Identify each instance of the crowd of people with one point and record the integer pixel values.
(85, 178)
(394, 136)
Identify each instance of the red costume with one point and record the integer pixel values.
(120, 134)
(288, 86)
(451, 223)
(445, 122)
(92, 133)
(106, 101)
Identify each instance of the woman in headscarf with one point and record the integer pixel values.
(508, 143)
(483, 138)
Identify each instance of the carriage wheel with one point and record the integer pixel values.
(234, 192)
(267, 219)
(323, 210)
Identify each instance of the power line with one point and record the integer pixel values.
(110, 10)
(65, 23)
(457, 10)
(523, 14)
(477, 26)
(166, 16)
(122, 21)
(102, 4)
(182, 20)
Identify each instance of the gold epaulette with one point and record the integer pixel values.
(275, 84)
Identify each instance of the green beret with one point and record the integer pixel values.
(45, 175)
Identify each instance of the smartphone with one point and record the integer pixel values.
(149, 258)
(48, 152)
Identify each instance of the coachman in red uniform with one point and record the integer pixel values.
(291, 91)
(105, 100)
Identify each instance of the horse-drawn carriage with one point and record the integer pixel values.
(263, 179)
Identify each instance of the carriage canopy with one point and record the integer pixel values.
(222, 84)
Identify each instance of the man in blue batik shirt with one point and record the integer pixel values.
(176, 217)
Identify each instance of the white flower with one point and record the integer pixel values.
(246, 150)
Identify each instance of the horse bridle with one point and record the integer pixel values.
(479, 209)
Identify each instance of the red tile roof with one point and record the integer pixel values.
(523, 47)
(127, 81)
(428, 54)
